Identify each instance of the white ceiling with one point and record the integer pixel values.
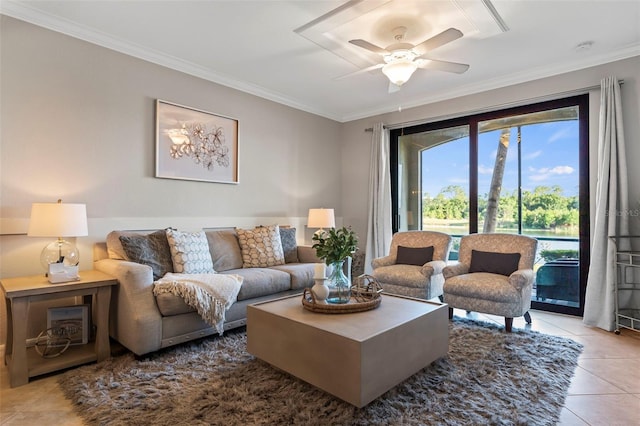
(293, 51)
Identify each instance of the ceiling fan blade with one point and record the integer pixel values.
(369, 46)
(447, 36)
(433, 64)
(362, 71)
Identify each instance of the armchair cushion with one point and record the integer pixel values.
(414, 255)
(405, 275)
(482, 285)
(495, 263)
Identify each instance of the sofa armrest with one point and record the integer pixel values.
(522, 278)
(307, 254)
(455, 269)
(383, 261)
(135, 320)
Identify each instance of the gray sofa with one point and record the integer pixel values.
(144, 323)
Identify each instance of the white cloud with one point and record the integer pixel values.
(546, 172)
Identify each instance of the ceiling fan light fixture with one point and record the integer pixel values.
(399, 72)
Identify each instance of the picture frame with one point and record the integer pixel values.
(74, 320)
(197, 145)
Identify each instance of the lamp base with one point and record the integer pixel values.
(60, 251)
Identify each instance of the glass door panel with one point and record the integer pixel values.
(528, 183)
(433, 181)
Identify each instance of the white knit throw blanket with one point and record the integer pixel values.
(210, 294)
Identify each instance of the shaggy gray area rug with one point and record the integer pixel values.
(489, 377)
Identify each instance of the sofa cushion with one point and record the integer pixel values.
(261, 247)
(170, 304)
(261, 282)
(151, 249)
(301, 274)
(417, 256)
(289, 245)
(495, 263)
(224, 249)
(190, 252)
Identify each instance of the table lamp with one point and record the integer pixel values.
(321, 218)
(58, 220)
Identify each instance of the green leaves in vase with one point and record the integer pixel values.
(335, 245)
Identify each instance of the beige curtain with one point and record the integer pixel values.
(379, 229)
(612, 207)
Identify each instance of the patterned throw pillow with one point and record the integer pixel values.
(151, 249)
(289, 245)
(190, 252)
(261, 247)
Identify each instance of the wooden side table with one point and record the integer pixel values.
(23, 363)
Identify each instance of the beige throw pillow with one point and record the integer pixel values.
(190, 252)
(261, 247)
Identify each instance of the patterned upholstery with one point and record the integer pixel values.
(492, 293)
(424, 282)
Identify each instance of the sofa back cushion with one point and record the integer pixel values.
(224, 249)
(151, 249)
(190, 252)
(114, 246)
(261, 247)
(289, 244)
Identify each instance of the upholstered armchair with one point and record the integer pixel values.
(494, 276)
(414, 264)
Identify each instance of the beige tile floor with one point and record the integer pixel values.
(605, 389)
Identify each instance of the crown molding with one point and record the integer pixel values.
(27, 13)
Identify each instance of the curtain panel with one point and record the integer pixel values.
(379, 229)
(612, 207)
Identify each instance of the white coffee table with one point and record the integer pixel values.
(355, 357)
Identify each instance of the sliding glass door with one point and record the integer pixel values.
(522, 170)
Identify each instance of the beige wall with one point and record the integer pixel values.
(356, 149)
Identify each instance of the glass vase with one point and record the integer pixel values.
(339, 285)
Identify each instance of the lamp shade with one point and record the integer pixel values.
(321, 218)
(399, 72)
(58, 220)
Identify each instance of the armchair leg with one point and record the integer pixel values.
(508, 324)
(450, 313)
(527, 317)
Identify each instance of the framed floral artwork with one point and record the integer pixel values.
(192, 144)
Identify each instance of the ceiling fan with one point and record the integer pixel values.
(402, 59)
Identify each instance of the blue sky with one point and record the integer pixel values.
(549, 157)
